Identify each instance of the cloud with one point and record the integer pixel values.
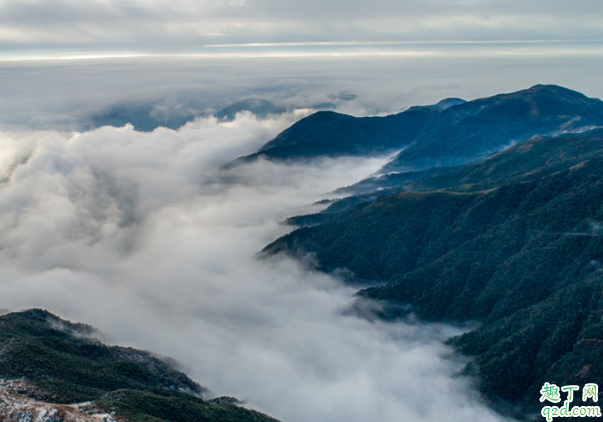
(70, 95)
(143, 236)
(162, 26)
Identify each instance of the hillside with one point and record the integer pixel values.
(46, 362)
(531, 160)
(481, 127)
(331, 134)
(453, 134)
(515, 242)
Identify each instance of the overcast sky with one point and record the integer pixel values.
(39, 27)
(63, 62)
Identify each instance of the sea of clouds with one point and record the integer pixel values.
(149, 238)
(83, 94)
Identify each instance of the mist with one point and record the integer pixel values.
(78, 94)
(148, 238)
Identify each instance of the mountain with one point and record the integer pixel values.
(146, 117)
(450, 133)
(443, 104)
(173, 114)
(533, 159)
(331, 134)
(327, 133)
(514, 242)
(536, 157)
(51, 367)
(257, 106)
(475, 129)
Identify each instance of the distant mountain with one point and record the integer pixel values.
(173, 114)
(442, 105)
(331, 134)
(145, 117)
(449, 133)
(515, 242)
(51, 369)
(257, 106)
(475, 129)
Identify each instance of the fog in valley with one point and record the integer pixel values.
(146, 237)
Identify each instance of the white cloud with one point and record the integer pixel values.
(163, 26)
(63, 95)
(143, 236)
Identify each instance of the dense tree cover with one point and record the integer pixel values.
(142, 406)
(67, 365)
(528, 161)
(514, 245)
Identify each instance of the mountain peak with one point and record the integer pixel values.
(448, 133)
(34, 314)
(440, 105)
(553, 91)
(448, 102)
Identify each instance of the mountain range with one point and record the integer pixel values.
(452, 132)
(491, 211)
(513, 241)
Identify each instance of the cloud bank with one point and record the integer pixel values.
(162, 26)
(143, 236)
(67, 95)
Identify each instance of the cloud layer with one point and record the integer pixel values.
(187, 25)
(66, 95)
(143, 236)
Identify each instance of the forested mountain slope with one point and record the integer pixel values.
(515, 242)
(58, 362)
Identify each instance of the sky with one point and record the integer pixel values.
(80, 94)
(112, 27)
(145, 236)
(180, 59)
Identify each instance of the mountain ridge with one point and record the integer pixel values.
(431, 136)
(50, 363)
(513, 241)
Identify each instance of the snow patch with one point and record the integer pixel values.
(18, 405)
